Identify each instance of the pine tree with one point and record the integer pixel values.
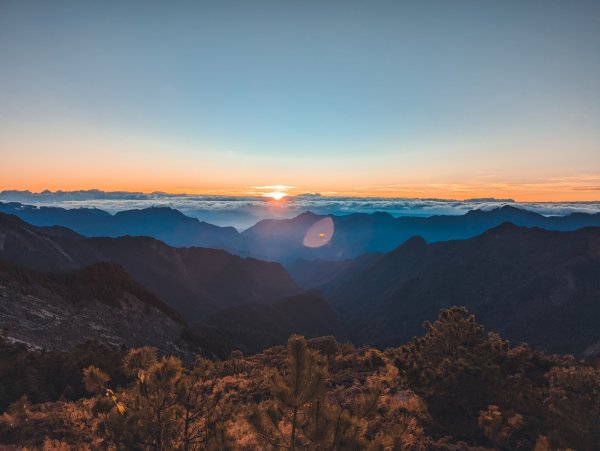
(574, 404)
(152, 398)
(303, 381)
(330, 427)
(456, 367)
(202, 414)
(167, 406)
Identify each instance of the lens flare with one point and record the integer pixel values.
(320, 233)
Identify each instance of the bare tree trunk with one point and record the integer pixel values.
(293, 439)
(186, 433)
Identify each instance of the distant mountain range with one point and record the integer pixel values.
(282, 239)
(530, 284)
(356, 234)
(165, 224)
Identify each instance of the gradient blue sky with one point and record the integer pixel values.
(427, 98)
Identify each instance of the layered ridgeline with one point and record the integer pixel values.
(355, 234)
(533, 285)
(165, 224)
(530, 284)
(222, 301)
(194, 281)
(283, 240)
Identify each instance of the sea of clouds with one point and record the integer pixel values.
(244, 211)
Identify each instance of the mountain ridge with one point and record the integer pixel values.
(195, 281)
(282, 239)
(527, 283)
(101, 303)
(163, 223)
(360, 233)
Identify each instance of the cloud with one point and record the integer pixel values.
(586, 188)
(535, 189)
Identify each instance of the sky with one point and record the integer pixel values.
(423, 99)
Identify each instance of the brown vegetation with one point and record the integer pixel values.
(457, 387)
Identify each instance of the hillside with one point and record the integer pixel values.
(530, 284)
(101, 303)
(194, 281)
(456, 387)
(255, 327)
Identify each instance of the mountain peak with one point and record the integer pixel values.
(506, 226)
(306, 214)
(414, 243)
(516, 211)
(504, 210)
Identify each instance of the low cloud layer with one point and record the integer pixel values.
(243, 212)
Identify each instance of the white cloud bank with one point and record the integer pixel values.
(243, 212)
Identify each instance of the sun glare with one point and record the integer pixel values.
(277, 195)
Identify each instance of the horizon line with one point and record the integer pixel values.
(266, 197)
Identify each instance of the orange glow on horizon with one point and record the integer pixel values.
(110, 164)
(583, 188)
(277, 195)
(545, 193)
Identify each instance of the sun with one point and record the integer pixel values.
(277, 195)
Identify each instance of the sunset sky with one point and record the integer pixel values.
(447, 99)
